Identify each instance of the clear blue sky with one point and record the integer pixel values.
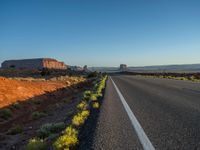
(101, 32)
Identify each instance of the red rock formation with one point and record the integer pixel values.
(38, 63)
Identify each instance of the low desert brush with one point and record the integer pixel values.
(93, 97)
(16, 105)
(101, 86)
(37, 102)
(67, 140)
(87, 95)
(50, 128)
(15, 130)
(5, 113)
(37, 114)
(95, 105)
(83, 105)
(80, 118)
(36, 144)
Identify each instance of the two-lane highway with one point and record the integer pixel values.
(167, 110)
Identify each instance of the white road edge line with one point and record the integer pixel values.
(144, 140)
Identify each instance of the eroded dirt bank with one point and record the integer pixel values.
(12, 90)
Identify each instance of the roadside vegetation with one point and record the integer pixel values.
(176, 76)
(33, 112)
(49, 129)
(36, 143)
(37, 114)
(16, 105)
(62, 136)
(16, 129)
(190, 78)
(5, 113)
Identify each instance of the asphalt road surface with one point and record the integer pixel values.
(167, 110)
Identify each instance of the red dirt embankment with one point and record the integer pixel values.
(14, 90)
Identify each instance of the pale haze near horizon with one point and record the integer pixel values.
(101, 33)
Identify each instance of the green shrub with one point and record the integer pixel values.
(50, 128)
(52, 137)
(45, 72)
(99, 94)
(67, 140)
(93, 97)
(36, 144)
(101, 86)
(82, 106)
(96, 86)
(80, 118)
(5, 113)
(15, 130)
(37, 114)
(93, 74)
(37, 102)
(95, 105)
(16, 105)
(87, 95)
(181, 78)
(193, 78)
(65, 100)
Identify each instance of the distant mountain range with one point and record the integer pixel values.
(158, 68)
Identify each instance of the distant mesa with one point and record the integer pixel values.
(85, 68)
(123, 67)
(37, 63)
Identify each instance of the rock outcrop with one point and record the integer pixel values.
(38, 63)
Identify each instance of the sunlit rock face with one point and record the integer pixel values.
(38, 63)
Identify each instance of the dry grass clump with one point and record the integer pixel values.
(31, 79)
(68, 79)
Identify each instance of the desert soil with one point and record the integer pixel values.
(57, 99)
(14, 90)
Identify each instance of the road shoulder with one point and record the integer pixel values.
(114, 129)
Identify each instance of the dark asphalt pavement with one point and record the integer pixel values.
(168, 111)
(114, 130)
